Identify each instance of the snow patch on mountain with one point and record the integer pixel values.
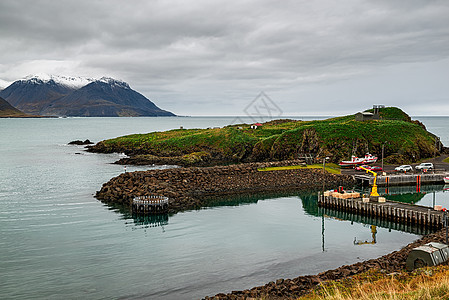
(72, 82)
(4, 84)
(68, 81)
(112, 82)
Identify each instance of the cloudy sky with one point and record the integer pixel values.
(214, 57)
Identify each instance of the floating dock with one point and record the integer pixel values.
(393, 211)
(150, 204)
(402, 179)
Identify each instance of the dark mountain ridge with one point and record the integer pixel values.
(105, 97)
(9, 111)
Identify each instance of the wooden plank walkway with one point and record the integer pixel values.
(390, 210)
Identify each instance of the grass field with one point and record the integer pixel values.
(427, 283)
(330, 168)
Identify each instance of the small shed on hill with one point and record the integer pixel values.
(364, 116)
(255, 125)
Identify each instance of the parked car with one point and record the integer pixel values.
(376, 168)
(424, 167)
(359, 168)
(404, 168)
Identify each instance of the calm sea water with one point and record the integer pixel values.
(57, 241)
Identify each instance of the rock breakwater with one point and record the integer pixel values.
(189, 188)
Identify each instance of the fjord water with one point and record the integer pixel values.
(57, 241)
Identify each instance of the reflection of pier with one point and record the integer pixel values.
(384, 223)
(150, 220)
(406, 189)
(390, 211)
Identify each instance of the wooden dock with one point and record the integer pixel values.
(402, 179)
(383, 223)
(152, 204)
(393, 211)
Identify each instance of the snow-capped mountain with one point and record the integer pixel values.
(68, 81)
(77, 96)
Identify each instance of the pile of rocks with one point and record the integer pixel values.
(292, 288)
(189, 188)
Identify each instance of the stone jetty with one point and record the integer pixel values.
(189, 188)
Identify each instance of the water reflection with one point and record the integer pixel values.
(137, 221)
(411, 194)
(373, 237)
(147, 221)
(309, 201)
(243, 199)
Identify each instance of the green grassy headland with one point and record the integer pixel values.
(330, 168)
(405, 141)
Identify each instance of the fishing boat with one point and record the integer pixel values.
(368, 159)
(353, 162)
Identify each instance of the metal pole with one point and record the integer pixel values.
(324, 170)
(383, 157)
(434, 199)
(322, 231)
(435, 150)
(445, 224)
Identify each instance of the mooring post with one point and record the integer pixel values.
(445, 222)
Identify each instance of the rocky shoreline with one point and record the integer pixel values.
(189, 188)
(299, 286)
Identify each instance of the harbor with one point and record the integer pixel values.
(381, 208)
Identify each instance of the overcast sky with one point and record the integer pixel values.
(214, 57)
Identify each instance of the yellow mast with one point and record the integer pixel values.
(374, 188)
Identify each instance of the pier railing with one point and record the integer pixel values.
(403, 179)
(151, 204)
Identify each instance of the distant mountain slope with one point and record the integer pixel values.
(105, 97)
(8, 111)
(51, 95)
(34, 94)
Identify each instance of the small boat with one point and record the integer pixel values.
(446, 179)
(368, 159)
(353, 162)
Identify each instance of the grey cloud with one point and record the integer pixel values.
(219, 49)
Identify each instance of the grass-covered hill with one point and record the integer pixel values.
(405, 141)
